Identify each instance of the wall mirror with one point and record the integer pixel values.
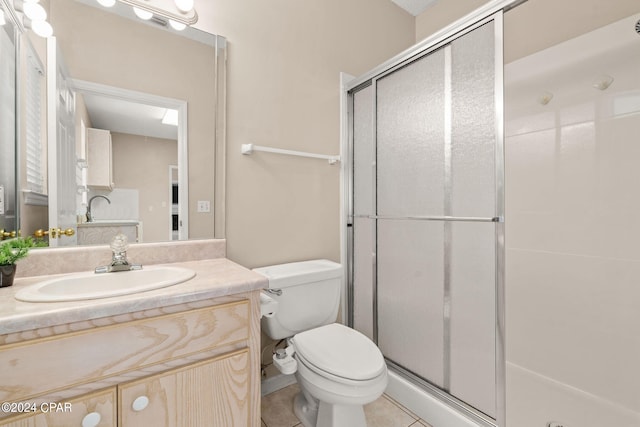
(8, 215)
(108, 79)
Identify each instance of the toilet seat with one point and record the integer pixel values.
(340, 353)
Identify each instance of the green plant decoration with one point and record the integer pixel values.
(15, 249)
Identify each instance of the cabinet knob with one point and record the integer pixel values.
(91, 420)
(140, 403)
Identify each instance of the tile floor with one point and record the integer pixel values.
(277, 411)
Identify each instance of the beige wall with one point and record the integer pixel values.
(283, 91)
(443, 13)
(98, 47)
(142, 163)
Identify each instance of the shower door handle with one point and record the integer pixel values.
(439, 218)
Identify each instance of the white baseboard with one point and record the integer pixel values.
(278, 382)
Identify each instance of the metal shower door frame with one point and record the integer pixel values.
(493, 11)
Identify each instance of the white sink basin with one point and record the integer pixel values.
(90, 285)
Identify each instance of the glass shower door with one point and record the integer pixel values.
(427, 165)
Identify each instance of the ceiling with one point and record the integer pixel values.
(123, 116)
(414, 7)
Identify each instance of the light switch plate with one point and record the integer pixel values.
(204, 206)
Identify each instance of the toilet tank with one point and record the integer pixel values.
(308, 296)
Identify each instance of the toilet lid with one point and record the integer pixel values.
(340, 351)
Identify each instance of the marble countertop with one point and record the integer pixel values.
(214, 278)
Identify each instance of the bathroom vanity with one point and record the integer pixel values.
(102, 232)
(184, 355)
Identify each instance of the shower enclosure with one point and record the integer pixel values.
(425, 218)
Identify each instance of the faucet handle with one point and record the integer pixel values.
(119, 243)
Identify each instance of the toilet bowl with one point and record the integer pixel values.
(338, 369)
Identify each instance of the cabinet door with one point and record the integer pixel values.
(92, 410)
(214, 392)
(99, 159)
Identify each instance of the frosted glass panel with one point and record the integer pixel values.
(429, 128)
(410, 295)
(363, 152)
(410, 126)
(363, 247)
(473, 314)
(473, 119)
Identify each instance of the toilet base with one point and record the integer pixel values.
(306, 413)
(327, 415)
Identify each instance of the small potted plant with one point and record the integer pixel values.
(11, 251)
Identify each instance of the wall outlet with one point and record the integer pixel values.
(204, 206)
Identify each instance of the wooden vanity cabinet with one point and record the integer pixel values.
(190, 368)
(210, 393)
(213, 392)
(99, 406)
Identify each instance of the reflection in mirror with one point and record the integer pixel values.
(110, 80)
(8, 216)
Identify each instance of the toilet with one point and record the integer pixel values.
(338, 369)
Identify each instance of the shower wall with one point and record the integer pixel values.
(573, 258)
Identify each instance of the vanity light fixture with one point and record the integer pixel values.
(42, 28)
(107, 3)
(178, 26)
(34, 11)
(33, 16)
(142, 14)
(180, 11)
(184, 5)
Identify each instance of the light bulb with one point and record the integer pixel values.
(184, 5)
(142, 14)
(34, 11)
(178, 26)
(42, 28)
(106, 3)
